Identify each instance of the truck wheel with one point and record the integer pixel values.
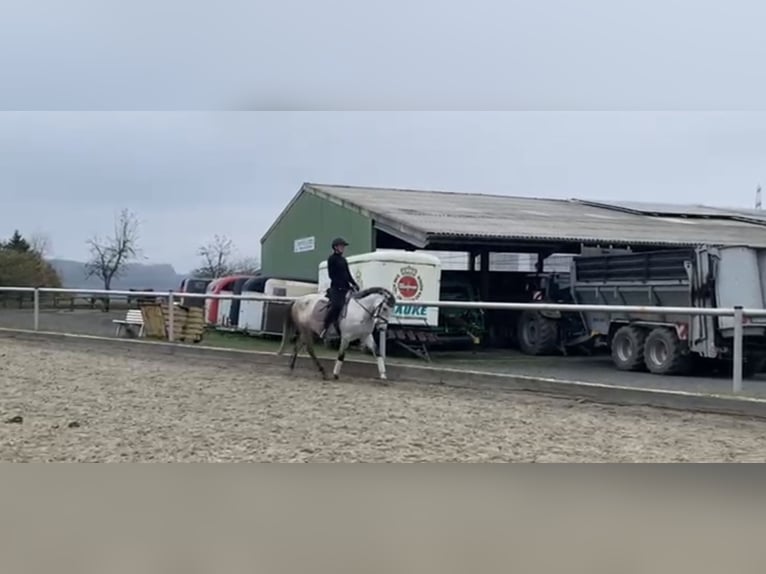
(628, 348)
(664, 354)
(751, 366)
(749, 369)
(537, 335)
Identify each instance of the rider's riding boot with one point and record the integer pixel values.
(324, 335)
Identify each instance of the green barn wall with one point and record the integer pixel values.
(312, 216)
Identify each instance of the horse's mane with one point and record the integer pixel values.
(390, 299)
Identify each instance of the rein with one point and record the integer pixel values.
(375, 314)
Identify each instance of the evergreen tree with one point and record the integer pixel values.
(17, 243)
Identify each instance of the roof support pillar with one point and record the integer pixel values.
(484, 275)
(472, 261)
(540, 265)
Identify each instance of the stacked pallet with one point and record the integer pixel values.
(179, 318)
(188, 322)
(194, 326)
(154, 322)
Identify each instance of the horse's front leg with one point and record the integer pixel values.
(344, 343)
(369, 342)
(312, 354)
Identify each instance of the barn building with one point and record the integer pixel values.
(485, 232)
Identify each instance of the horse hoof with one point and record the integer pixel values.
(336, 377)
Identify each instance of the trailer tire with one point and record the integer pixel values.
(628, 348)
(664, 354)
(537, 335)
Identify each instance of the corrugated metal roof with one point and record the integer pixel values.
(681, 210)
(647, 208)
(426, 216)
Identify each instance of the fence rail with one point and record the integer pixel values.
(738, 313)
(25, 300)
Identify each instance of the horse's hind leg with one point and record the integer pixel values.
(310, 348)
(369, 342)
(341, 357)
(296, 349)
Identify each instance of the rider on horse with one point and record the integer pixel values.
(341, 282)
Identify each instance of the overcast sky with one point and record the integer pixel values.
(66, 171)
(403, 54)
(190, 175)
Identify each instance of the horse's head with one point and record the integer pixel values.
(387, 303)
(379, 301)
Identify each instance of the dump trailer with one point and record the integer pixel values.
(664, 343)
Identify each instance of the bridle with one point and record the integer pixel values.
(375, 313)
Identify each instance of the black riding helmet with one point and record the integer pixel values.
(339, 241)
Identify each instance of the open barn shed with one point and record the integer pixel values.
(480, 224)
(483, 230)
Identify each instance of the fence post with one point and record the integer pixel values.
(738, 354)
(37, 308)
(171, 329)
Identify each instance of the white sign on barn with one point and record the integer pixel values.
(304, 244)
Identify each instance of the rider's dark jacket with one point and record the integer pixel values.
(340, 275)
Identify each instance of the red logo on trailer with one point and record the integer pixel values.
(408, 284)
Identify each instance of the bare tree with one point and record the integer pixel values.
(218, 259)
(110, 255)
(246, 266)
(40, 243)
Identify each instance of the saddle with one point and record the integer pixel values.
(323, 307)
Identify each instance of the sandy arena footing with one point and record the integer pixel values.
(77, 404)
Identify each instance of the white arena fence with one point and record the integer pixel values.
(738, 313)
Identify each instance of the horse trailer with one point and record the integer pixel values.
(267, 317)
(218, 311)
(411, 277)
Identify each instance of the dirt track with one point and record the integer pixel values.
(89, 406)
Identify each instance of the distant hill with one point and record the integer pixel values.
(159, 277)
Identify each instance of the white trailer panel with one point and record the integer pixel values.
(266, 316)
(411, 276)
(738, 282)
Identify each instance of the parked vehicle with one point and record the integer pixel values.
(218, 312)
(663, 343)
(411, 277)
(194, 285)
(267, 317)
(549, 332)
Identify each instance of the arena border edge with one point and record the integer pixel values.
(582, 391)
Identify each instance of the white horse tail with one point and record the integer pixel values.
(288, 327)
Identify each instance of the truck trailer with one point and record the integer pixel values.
(664, 343)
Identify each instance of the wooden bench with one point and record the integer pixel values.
(133, 318)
